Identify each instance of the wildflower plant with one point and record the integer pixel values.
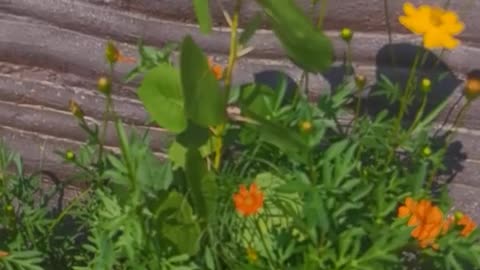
(255, 177)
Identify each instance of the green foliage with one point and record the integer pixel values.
(255, 177)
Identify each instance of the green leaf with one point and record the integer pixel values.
(250, 29)
(175, 218)
(431, 117)
(286, 139)
(202, 184)
(162, 97)
(255, 98)
(204, 100)
(303, 43)
(203, 15)
(176, 154)
(194, 136)
(315, 211)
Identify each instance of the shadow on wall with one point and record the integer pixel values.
(393, 63)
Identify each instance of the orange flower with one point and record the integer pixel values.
(468, 225)
(407, 209)
(248, 202)
(216, 69)
(427, 219)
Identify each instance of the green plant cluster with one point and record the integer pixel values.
(332, 179)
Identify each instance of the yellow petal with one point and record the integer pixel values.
(409, 8)
(433, 40)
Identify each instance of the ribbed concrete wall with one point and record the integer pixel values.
(52, 51)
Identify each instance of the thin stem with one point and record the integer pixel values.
(232, 58)
(458, 120)
(101, 141)
(389, 29)
(419, 113)
(67, 209)
(407, 93)
(349, 68)
(323, 13)
(358, 106)
(448, 115)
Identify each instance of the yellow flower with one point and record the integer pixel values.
(437, 26)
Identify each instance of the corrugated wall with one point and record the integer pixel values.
(52, 51)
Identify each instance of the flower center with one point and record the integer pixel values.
(436, 16)
(249, 200)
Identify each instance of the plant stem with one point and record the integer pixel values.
(67, 209)
(407, 93)
(322, 14)
(349, 68)
(101, 139)
(419, 113)
(389, 29)
(458, 120)
(232, 58)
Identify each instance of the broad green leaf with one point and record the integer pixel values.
(176, 221)
(203, 15)
(250, 29)
(204, 99)
(194, 136)
(162, 96)
(176, 154)
(304, 44)
(315, 211)
(201, 183)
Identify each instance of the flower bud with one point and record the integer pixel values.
(458, 215)
(112, 54)
(216, 69)
(472, 88)
(3, 254)
(427, 151)
(104, 85)
(76, 110)
(306, 126)
(346, 34)
(70, 155)
(9, 208)
(360, 81)
(426, 85)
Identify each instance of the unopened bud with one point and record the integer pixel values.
(112, 54)
(346, 34)
(426, 85)
(9, 208)
(76, 110)
(472, 88)
(360, 81)
(458, 215)
(427, 151)
(306, 126)
(104, 85)
(70, 155)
